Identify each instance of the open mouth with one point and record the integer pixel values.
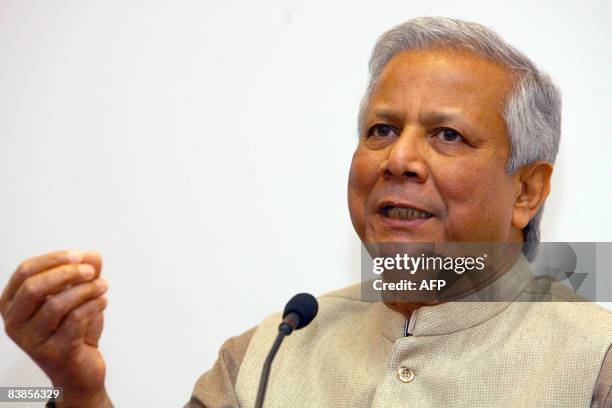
(403, 213)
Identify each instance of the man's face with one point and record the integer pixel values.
(434, 140)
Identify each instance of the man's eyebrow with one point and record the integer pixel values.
(431, 117)
(388, 114)
(436, 117)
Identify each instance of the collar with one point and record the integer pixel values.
(455, 316)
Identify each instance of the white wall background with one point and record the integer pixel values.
(203, 148)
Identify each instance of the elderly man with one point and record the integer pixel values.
(458, 134)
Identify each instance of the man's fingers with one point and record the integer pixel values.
(94, 259)
(56, 307)
(35, 290)
(35, 265)
(74, 327)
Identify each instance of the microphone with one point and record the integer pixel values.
(299, 312)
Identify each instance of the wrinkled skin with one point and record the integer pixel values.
(434, 138)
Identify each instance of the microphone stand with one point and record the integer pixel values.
(290, 322)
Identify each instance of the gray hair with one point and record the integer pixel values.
(533, 108)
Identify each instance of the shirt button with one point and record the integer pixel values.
(405, 374)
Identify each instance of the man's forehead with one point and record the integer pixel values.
(450, 80)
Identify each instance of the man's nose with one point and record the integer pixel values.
(405, 158)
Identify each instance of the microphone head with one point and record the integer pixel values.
(303, 304)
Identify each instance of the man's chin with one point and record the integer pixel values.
(376, 234)
(384, 229)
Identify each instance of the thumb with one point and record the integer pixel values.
(94, 330)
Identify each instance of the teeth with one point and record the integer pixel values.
(406, 213)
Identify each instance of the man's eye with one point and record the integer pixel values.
(380, 131)
(448, 135)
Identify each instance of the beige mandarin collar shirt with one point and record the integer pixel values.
(232, 380)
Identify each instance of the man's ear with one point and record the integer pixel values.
(532, 188)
